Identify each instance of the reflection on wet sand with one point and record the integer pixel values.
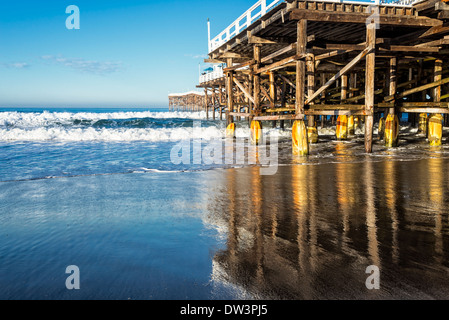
(310, 231)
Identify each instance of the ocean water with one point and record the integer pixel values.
(99, 189)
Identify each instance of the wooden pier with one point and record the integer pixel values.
(319, 61)
(188, 101)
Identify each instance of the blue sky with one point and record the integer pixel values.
(126, 53)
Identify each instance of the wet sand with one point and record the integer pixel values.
(310, 231)
(307, 232)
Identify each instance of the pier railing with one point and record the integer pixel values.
(261, 7)
(216, 74)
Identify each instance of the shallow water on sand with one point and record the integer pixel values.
(307, 232)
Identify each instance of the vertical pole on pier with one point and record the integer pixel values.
(312, 132)
(206, 103)
(341, 130)
(256, 79)
(435, 130)
(230, 93)
(214, 99)
(220, 101)
(369, 86)
(300, 143)
(300, 66)
(272, 92)
(392, 122)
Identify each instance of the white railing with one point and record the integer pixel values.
(218, 73)
(260, 8)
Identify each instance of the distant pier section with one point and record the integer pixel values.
(187, 101)
(340, 63)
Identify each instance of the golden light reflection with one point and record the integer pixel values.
(371, 219)
(300, 205)
(436, 195)
(390, 185)
(257, 208)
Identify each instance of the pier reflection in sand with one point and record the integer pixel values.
(310, 231)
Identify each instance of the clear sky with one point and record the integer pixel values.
(127, 53)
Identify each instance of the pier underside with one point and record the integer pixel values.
(326, 61)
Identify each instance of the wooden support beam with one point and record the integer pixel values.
(239, 66)
(361, 18)
(336, 106)
(229, 92)
(417, 89)
(335, 112)
(300, 65)
(331, 54)
(369, 86)
(310, 71)
(424, 110)
(392, 48)
(276, 54)
(239, 114)
(345, 47)
(437, 76)
(280, 117)
(286, 80)
(244, 90)
(256, 79)
(392, 81)
(343, 71)
(280, 64)
(258, 40)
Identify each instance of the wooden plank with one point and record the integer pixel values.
(242, 65)
(434, 31)
(361, 18)
(259, 40)
(346, 47)
(331, 54)
(409, 49)
(343, 71)
(336, 106)
(424, 110)
(332, 112)
(280, 117)
(417, 89)
(280, 64)
(239, 114)
(282, 51)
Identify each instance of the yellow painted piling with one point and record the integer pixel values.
(312, 134)
(381, 129)
(230, 130)
(435, 129)
(391, 131)
(422, 126)
(256, 132)
(300, 143)
(351, 127)
(342, 128)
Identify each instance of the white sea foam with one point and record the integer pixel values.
(124, 134)
(46, 118)
(108, 134)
